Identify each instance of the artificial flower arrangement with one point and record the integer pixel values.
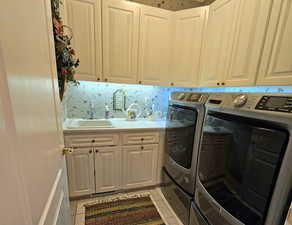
(65, 54)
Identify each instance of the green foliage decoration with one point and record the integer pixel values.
(65, 54)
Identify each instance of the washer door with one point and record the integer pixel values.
(180, 143)
(195, 216)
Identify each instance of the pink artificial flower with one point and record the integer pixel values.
(64, 72)
(72, 52)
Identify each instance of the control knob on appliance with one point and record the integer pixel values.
(240, 100)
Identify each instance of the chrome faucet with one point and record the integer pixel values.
(91, 111)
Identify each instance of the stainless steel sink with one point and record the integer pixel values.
(95, 123)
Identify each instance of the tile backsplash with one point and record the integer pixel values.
(77, 99)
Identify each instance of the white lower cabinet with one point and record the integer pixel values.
(80, 166)
(108, 169)
(130, 163)
(139, 165)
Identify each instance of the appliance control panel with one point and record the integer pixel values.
(275, 103)
(181, 96)
(186, 96)
(194, 97)
(240, 100)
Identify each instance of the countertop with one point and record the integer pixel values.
(118, 124)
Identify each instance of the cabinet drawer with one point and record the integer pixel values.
(140, 138)
(92, 140)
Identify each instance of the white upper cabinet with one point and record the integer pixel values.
(229, 43)
(188, 34)
(108, 168)
(276, 64)
(217, 43)
(84, 17)
(120, 40)
(248, 42)
(154, 45)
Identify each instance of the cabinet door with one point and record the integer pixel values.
(120, 40)
(248, 42)
(218, 41)
(80, 166)
(188, 28)
(276, 65)
(108, 169)
(139, 165)
(154, 45)
(84, 17)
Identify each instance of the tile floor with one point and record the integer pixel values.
(167, 214)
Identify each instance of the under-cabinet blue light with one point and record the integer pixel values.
(78, 98)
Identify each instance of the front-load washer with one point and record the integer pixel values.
(183, 130)
(244, 174)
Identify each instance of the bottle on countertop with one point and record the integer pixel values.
(107, 112)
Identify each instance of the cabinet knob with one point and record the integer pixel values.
(142, 147)
(90, 151)
(223, 83)
(67, 151)
(218, 84)
(96, 151)
(140, 82)
(142, 139)
(105, 79)
(171, 84)
(98, 79)
(93, 141)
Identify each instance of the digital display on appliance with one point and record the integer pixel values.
(276, 102)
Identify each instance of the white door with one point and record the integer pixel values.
(188, 28)
(139, 165)
(84, 17)
(32, 167)
(248, 42)
(154, 45)
(276, 65)
(81, 172)
(108, 169)
(218, 41)
(120, 40)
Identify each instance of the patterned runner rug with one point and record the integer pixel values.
(127, 211)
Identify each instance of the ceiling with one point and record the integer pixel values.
(175, 5)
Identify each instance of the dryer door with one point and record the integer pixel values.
(239, 162)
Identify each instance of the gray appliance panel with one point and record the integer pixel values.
(179, 201)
